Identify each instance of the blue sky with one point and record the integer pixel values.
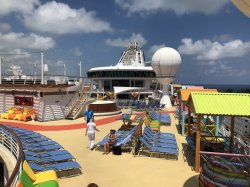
(212, 36)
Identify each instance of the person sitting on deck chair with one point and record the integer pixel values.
(110, 143)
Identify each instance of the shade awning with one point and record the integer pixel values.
(220, 104)
(185, 93)
(120, 89)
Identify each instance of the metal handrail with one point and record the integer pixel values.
(13, 140)
(234, 159)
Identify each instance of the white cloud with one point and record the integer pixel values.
(122, 42)
(59, 63)
(180, 7)
(16, 54)
(154, 48)
(4, 28)
(209, 50)
(25, 41)
(59, 18)
(76, 51)
(22, 6)
(220, 68)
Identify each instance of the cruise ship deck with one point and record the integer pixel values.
(111, 170)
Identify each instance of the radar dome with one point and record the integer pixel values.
(166, 62)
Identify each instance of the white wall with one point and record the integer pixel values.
(54, 107)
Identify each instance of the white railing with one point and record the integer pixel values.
(238, 140)
(48, 79)
(13, 144)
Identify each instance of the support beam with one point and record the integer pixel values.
(183, 123)
(217, 123)
(232, 134)
(198, 142)
(189, 122)
(180, 112)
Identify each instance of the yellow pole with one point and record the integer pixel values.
(198, 141)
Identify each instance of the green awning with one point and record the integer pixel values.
(225, 104)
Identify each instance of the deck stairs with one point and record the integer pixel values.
(79, 105)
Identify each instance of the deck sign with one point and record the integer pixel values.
(23, 101)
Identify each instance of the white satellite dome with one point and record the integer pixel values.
(166, 62)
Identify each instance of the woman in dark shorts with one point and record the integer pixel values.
(110, 142)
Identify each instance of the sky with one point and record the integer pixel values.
(212, 36)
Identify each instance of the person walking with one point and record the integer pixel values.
(88, 115)
(90, 130)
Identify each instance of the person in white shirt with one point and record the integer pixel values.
(90, 130)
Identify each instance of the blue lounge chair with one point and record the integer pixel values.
(158, 134)
(160, 140)
(121, 135)
(62, 166)
(23, 133)
(35, 140)
(24, 137)
(38, 144)
(163, 118)
(160, 150)
(49, 160)
(42, 148)
(160, 143)
(46, 154)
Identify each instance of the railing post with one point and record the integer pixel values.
(198, 141)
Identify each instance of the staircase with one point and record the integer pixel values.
(79, 106)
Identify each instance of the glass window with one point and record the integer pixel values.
(120, 83)
(121, 74)
(138, 83)
(106, 84)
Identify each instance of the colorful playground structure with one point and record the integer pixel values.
(221, 162)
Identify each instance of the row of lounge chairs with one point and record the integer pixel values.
(140, 106)
(44, 154)
(163, 119)
(147, 106)
(159, 143)
(20, 114)
(150, 141)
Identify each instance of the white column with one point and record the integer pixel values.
(172, 89)
(165, 97)
(165, 89)
(147, 84)
(80, 64)
(100, 85)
